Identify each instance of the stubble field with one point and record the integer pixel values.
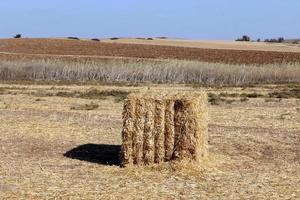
(55, 144)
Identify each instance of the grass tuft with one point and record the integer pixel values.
(252, 95)
(2, 91)
(93, 93)
(90, 106)
(286, 94)
(97, 94)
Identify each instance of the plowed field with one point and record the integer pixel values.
(36, 48)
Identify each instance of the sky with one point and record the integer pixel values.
(189, 19)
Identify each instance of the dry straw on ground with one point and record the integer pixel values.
(163, 127)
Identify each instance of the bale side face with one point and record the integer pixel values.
(190, 128)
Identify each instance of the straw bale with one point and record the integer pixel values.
(161, 127)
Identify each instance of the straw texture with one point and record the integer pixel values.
(148, 145)
(139, 131)
(159, 130)
(169, 129)
(190, 128)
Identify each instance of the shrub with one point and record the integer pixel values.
(67, 94)
(97, 94)
(244, 38)
(2, 90)
(163, 38)
(214, 99)
(18, 36)
(73, 38)
(285, 94)
(274, 40)
(225, 94)
(114, 38)
(244, 99)
(280, 39)
(91, 106)
(251, 95)
(96, 39)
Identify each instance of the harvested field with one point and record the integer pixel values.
(212, 44)
(89, 50)
(50, 151)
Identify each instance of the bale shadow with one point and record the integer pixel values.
(103, 154)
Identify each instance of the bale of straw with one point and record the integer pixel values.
(128, 130)
(164, 127)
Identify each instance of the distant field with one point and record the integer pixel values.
(12, 49)
(211, 44)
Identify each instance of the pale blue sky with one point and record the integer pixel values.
(194, 19)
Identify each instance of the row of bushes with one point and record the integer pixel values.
(17, 36)
(246, 38)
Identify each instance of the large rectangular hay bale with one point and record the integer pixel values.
(160, 127)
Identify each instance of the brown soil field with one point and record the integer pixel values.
(56, 145)
(90, 50)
